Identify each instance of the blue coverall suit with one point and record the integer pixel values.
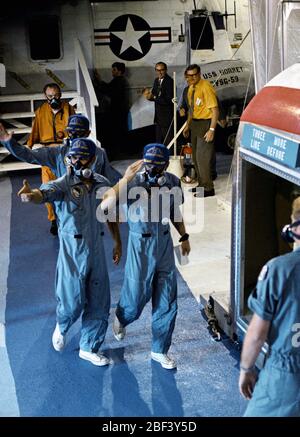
(82, 283)
(55, 158)
(150, 273)
(277, 299)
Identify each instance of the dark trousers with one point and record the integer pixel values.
(203, 153)
(112, 131)
(164, 134)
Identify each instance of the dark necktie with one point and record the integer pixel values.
(191, 110)
(159, 86)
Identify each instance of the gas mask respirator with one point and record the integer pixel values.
(152, 177)
(80, 170)
(287, 232)
(54, 103)
(74, 134)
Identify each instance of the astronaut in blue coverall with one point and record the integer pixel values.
(276, 306)
(150, 267)
(56, 157)
(82, 284)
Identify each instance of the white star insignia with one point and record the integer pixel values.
(130, 37)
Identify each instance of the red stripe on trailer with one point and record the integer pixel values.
(159, 34)
(277, 107)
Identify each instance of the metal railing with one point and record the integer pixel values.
(85, 88)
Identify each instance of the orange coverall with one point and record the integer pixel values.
(49, 129)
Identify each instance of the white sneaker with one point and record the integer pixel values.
(98, 359)
(58, 340)
(165, 361)
(118, 329)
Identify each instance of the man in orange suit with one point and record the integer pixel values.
(49, 129)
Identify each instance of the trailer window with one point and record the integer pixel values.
(44, 38)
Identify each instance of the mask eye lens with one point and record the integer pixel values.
(151, 170)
